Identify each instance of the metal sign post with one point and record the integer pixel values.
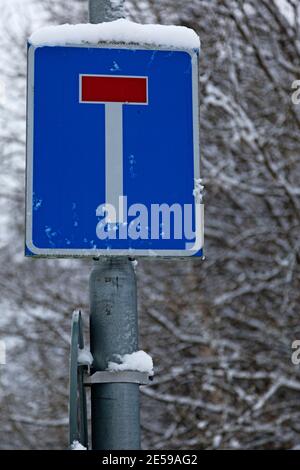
(113, 330)
(105, 10)
(113, 172)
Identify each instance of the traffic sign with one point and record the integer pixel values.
(113, 152)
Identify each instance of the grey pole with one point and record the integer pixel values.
(114, 330)
(105, 10)
(113, 326)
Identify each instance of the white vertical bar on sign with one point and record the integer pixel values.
(114, 157)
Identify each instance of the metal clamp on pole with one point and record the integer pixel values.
(108, 377)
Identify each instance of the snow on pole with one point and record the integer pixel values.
(76, 445)
(138, 361)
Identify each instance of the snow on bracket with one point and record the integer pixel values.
(120, 32)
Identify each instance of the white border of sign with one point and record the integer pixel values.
(70, 253)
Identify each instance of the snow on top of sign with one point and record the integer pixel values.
(119, 31)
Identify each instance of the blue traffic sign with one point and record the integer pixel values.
(113, 152)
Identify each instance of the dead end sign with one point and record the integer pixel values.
(112, 143)
(113, 92)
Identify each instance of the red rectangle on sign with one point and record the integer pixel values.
(106, 89)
